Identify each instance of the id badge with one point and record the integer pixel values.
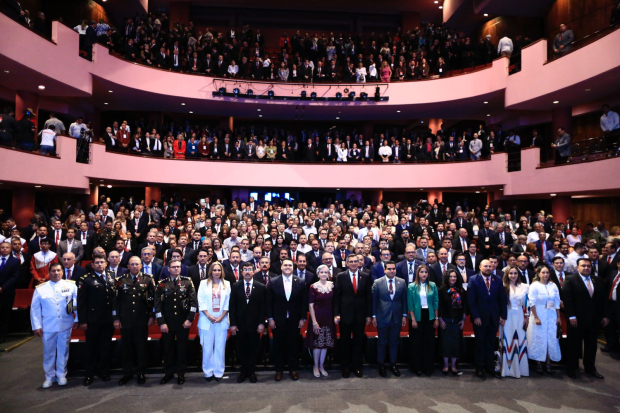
(440, 70)
(549, 305)
(216, 304)
(344, 264)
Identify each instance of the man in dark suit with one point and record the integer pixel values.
(199, 271)
(138, 226)
(435, 216)
(248, 300)
(114, 267)
(525, 274)
(9, 275)
(72, 271)
(149, 266)
(461, 243)
(488, 307)
(378, 270)
(329, 153)
(352, 310)
(542, 245)
(232, 269)
(88, 238)
(584, 299)
(461, 267)
(438, 269)
(314, 256)
(461, 222)
(404, 225)
(90, 38)
(612, 310)
(408, 268)
(264, 276)
(484, 239)
(287, 305)
(557, 275)
(302, 271)
(500, 239)
(341, 254)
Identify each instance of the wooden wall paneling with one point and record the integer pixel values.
(593, 210)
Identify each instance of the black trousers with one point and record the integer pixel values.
(585, 336)
(286, 339)
(351, 343)
(486, 344)
(175, 350)
(611, 335)
(422, 344)
(98, 342)
(133, 346)
(6, 308)
(247, 347)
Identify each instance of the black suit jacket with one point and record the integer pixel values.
(259, 277)
(469, 264)
(247, 315)
(436, 275)
(351, 307)
(578, 303)
(76, 274)
(278, 306)
(9, 275)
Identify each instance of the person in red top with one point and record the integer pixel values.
(179, 148)
(123, 137)
(203, 148)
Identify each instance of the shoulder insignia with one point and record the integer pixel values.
(71, 281)
(41, 285)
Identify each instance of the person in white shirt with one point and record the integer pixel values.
(505, 47)
(578, 252)
(48, 140)
(53, 315)
(385, 152)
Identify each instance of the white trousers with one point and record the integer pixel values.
(56, 354)
(213, 343)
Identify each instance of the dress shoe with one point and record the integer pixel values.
(279, 376)
(428, 373)
(166, 378)
(47, 383)
(358, 373)
(382, 372)
(181, 379)
(209, 378)
(595, 374)
(124, 380)
(218, 379)
(571, 374)
(493, 373)
(105, 377)
(346, 373)
(241, 378)
(62, 381)
(481, 375)
(141, 379)
(395, 371)
(88, 381)
(253, 378)
(294, 375)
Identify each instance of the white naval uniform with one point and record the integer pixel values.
(48, 311)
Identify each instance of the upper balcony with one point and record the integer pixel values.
(32, 60)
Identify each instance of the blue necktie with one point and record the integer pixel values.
(2, 263)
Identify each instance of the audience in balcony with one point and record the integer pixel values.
(562, 146)
(563, 40)
(610, 126)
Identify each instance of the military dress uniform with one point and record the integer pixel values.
(133, 307)
(107, 240)
(175, 302)
(52, 310)
(95, 303)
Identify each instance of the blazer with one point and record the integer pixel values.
(278, 306)
(414, 304)
(419, 255)
(487, 305)
(351, 307)
(563, 145)
(548, 246)
(435, 271)
(402, 269)
(469, 264)
(156, 271)
(377, 271)
(385, 309)
(578, 303)
(9, 274)
(77, 272)
(193, 272)
(247, 315)
(205, 302)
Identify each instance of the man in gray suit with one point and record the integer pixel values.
(389, 315)
(475, 148)
(422, 252)
(563, 40)
(71, 245)
(562, 145)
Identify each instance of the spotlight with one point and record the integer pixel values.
(313, 95)
(364, 95)
(338, 95)
(222, 91)
(303, 94)
(270, 94)
(377, 94)
(236, 91)
(250, 92)
(351, 95)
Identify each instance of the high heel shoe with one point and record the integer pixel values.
(323, 372)
(548, 369)
(445, 371)
(316, 372)
(539, 369)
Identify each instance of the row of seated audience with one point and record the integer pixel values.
(246, 266)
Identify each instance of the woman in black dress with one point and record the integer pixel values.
(322, 335)
(452, 306)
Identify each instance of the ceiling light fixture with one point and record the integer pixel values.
(258, 110)
(488, 114)
(441, 7)
(260, 116)
(398, 111)
(109, 186)
(337, 117)
(105, 103)
(485, 102)
(486, 14)
(587, 90)
(110, 91)
(191, 111)
(6, 71)
(555, 102)
(41, 87)
(182, 104)
(553, 194)
(37, 186)
(477, 192)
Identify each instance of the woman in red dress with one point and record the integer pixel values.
(322, 334)
(179, 148)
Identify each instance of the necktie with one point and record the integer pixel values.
(266, 276)
(247, 290)
(2, 263)
(68, 274)
(202, 273)
(83, 237)
(543, 248)
(609, 260)
(391, 288)
(614, 285)
(293, 257)
(464, 246)
(561, 278)
(589, 284)
(424, 251)
(342, 253)
(355, 283)
(147, 269)
(488, 282)
(443, 269)
(57, 237)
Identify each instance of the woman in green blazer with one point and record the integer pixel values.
(422, 305)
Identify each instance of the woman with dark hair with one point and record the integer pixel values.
(452, 313)
(512, 333)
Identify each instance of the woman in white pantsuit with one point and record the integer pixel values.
(213, 299)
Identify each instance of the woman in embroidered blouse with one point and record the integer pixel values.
(180, 147)
(512, 334)
(213, 300)
(322, 335)
(542, 340)
(452, 305)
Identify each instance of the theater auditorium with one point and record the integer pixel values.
(272, 206)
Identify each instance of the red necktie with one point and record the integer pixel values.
(614, 285)
(488, 282)
(391, 288)
(343, 255)
(355, 283)
(68, 274)
(464, 246)
(608, 260)
(57, 237)
(236, 274)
